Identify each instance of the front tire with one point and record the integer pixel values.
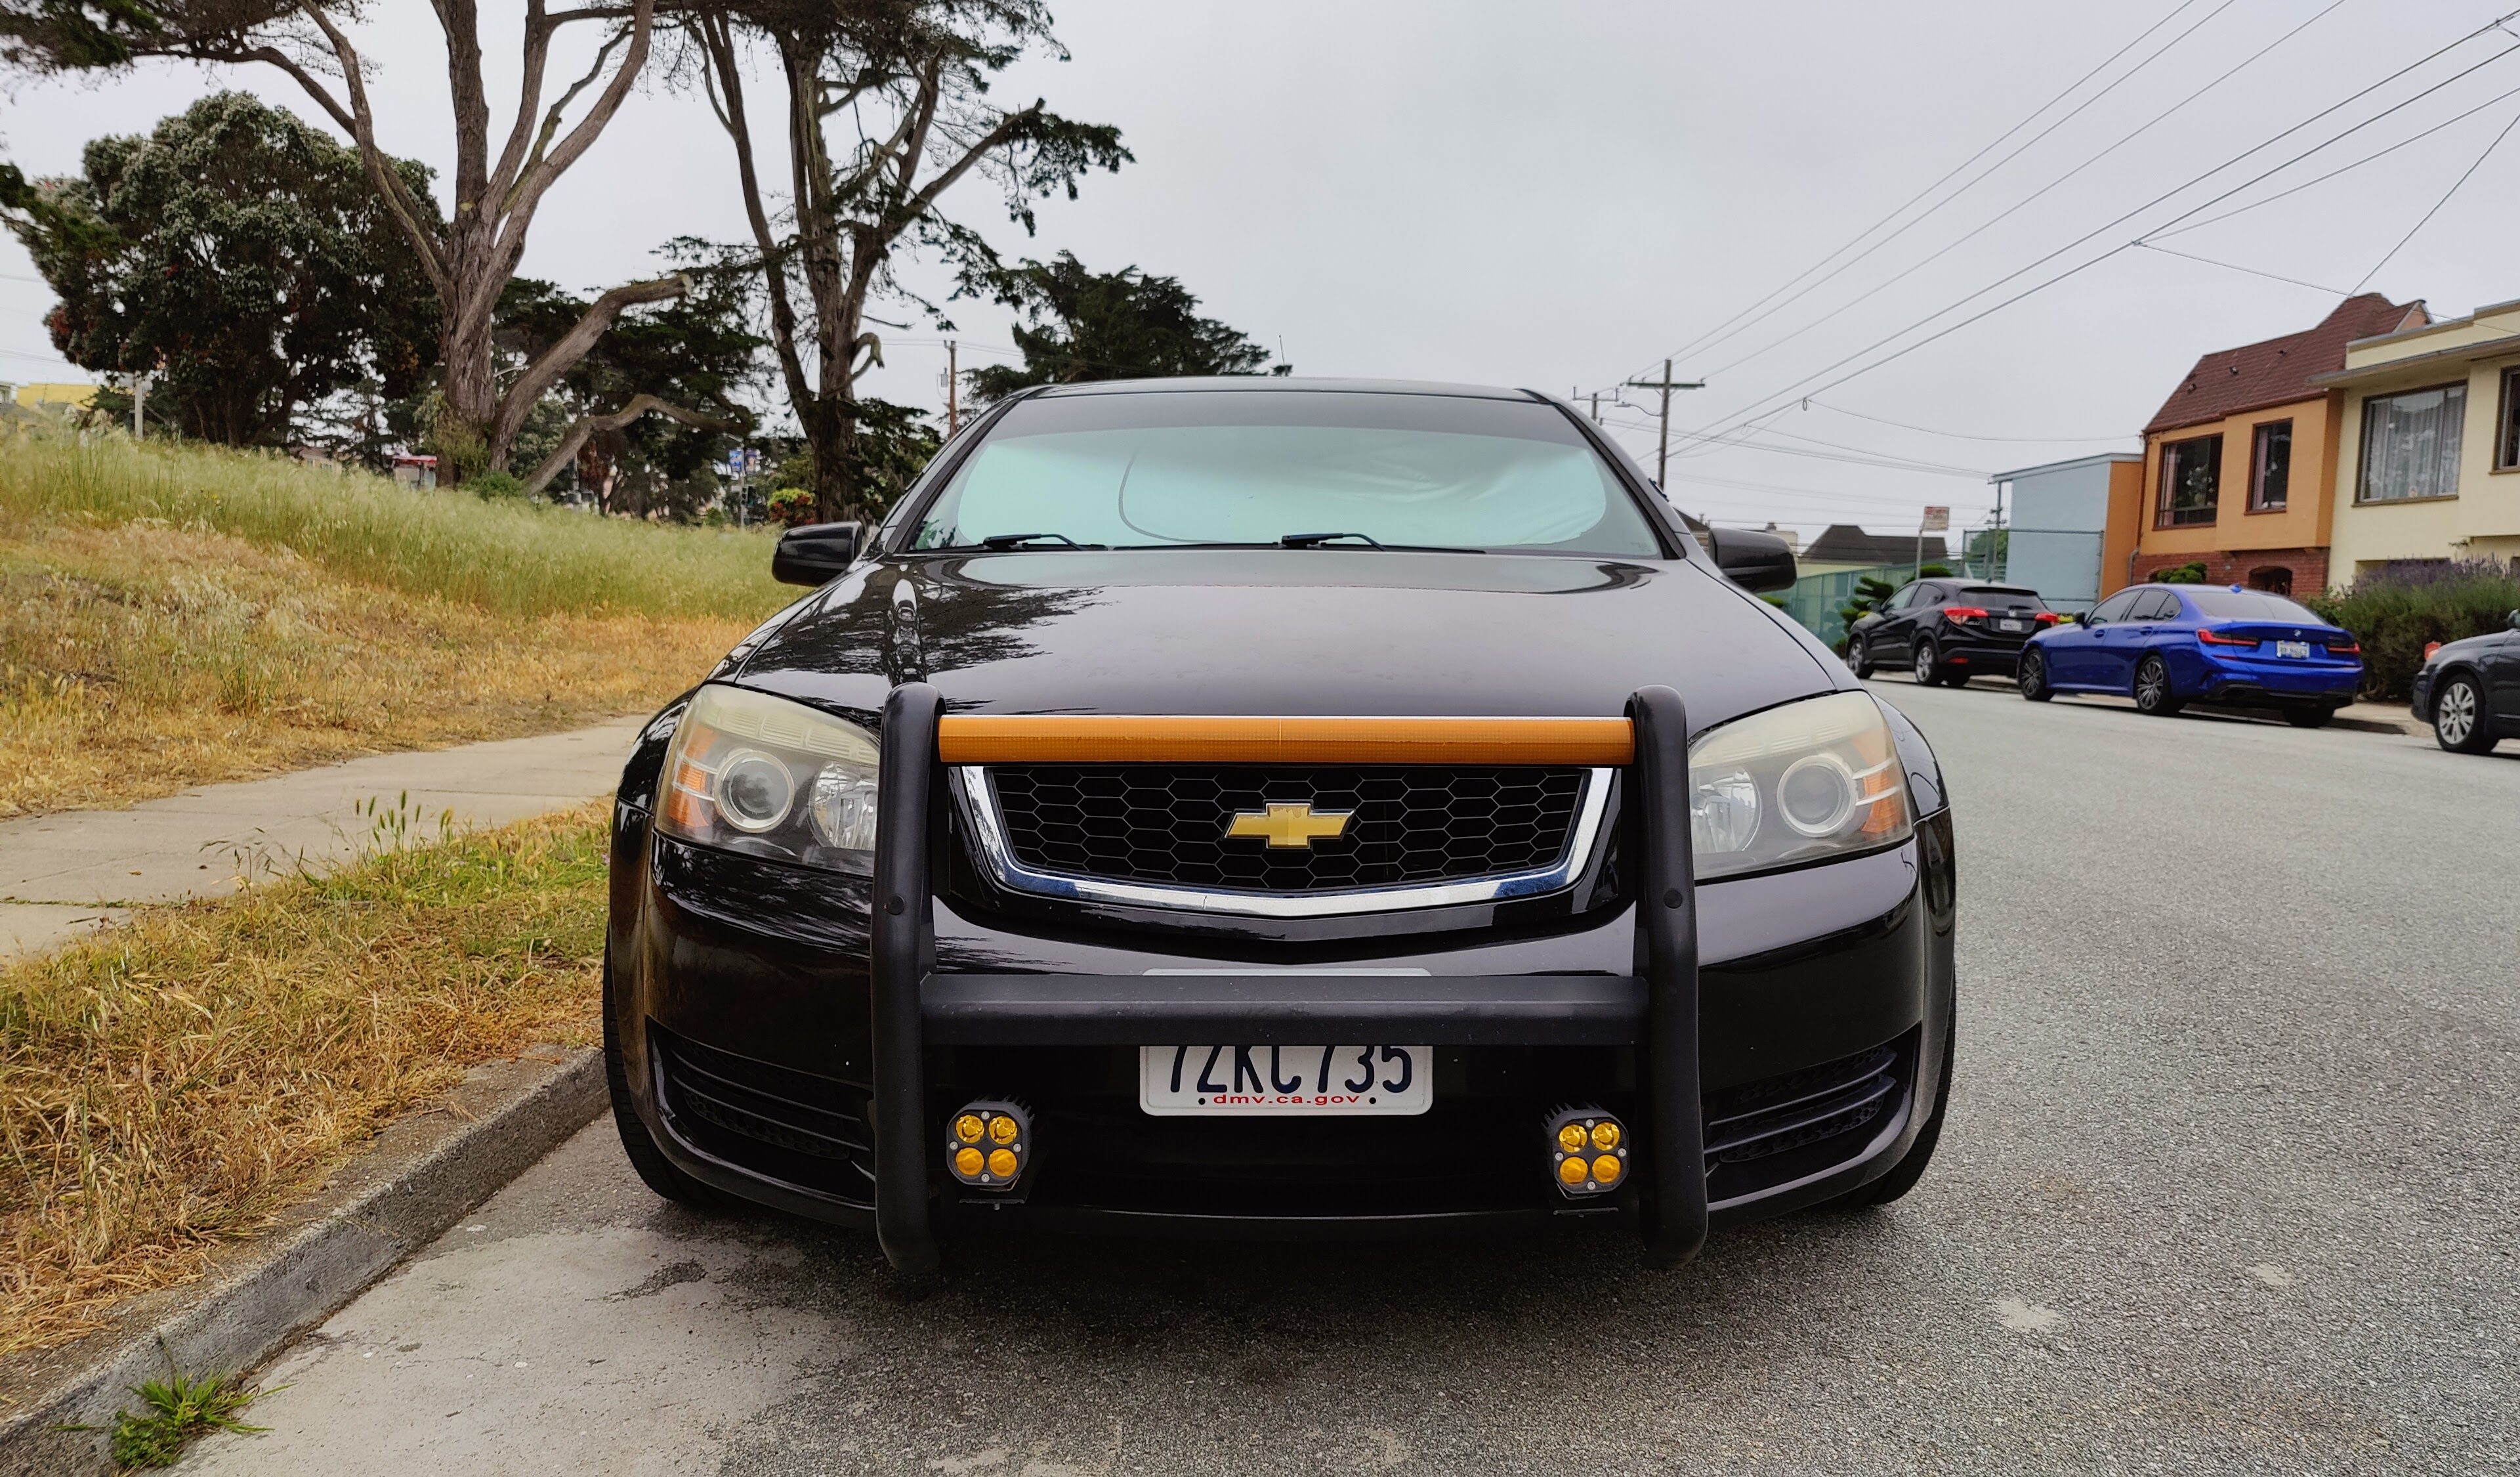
(2152, 690)
(2031, 678)
(1927, 671)
(2458, 716)
(650, 1162)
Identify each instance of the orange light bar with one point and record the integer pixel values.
(1109, 739)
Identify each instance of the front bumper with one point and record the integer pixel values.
(762, 1046)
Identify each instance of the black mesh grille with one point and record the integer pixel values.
(1166, 823)
(790, 1126)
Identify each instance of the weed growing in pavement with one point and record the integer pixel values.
(175, 1413)
(173, 1084)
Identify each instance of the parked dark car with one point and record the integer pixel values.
(1280, 808)
(1949, 631)
(2469, 691)
(2169, 645)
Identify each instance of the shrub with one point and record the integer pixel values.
(2395, 616)
(491, 485)
(2191, 572)
(790, 506)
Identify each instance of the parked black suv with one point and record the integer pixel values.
(1949, 631)
(2469, 690)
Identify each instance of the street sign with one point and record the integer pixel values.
(1937, 521)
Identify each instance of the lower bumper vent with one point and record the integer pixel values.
(790, 1126)
(1767, 1133)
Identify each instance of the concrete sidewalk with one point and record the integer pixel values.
(65, 873)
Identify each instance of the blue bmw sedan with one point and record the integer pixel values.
(2167, 646)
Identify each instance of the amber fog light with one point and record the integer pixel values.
(988, 1144)
(1588, 1152)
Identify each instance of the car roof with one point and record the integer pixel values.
(1255, 383)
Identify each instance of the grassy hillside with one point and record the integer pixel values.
(171, 616)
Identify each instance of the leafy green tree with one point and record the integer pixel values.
(887, 108)
(1122, 325)
(241, 252)
(469, 252)
(689, 362)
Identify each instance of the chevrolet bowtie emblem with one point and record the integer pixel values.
(1288, 826)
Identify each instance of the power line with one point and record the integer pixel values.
(2321, 179)
(1963, 435)
(2437, 205)
(1805, 386)
(2124, 78)
(2233, 266)
(1901, 209)
(1890, 464)
(2147, 126)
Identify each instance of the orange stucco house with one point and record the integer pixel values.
(2239, 463)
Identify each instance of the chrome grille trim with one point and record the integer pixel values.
(979, 801)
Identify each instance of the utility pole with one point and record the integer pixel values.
(140, 383)
(1596, 407)
(952, 393)
(1662, 458)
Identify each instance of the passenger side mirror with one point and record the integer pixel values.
(1757, 561)
(2513, 620)
(814, 553)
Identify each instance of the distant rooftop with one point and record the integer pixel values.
(1846, 544)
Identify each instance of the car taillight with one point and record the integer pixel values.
(1964, 613)
(2353, 649)
(2046, 618)
(2211, 637)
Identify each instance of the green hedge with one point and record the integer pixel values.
(2395, 618)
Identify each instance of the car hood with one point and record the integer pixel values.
(1277, 631)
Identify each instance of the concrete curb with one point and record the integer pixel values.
(419, 1178)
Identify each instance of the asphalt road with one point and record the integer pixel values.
(2229, 1184)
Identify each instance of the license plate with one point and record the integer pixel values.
(2013, 626)
(2293, 648)
(1190, 1081)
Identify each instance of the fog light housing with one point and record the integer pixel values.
(1006, 1131)
(1588, 1152)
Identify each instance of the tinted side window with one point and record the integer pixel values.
(1902, 600)
(2115, 607)
(2156, 605)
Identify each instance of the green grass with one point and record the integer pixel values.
(513, 558)
(175, 1413)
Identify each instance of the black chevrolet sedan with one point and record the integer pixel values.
(1280, 808)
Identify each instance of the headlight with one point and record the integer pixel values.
(1798, 783)
(753, 774)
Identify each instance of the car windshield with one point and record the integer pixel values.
(2248, 605)
(1170, 468)
(2002, 597)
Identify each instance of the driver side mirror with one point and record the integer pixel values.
(1757, 562)
(2513, 620)
(815, 553)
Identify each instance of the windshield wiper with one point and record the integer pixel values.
(1316, 541)
(1018, 540)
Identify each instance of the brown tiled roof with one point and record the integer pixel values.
(2278, 371)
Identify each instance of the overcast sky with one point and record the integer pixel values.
(1558, 196)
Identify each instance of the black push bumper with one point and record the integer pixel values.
(914, 1006)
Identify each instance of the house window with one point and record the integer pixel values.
(2270, 466)
(2506, 441)
(2411, 444)
(2191, 481)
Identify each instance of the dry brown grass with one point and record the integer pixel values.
(175, 1084)
(138, 659)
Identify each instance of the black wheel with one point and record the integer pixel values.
(2031, 678)
(2460, 723)
(1860, 656)
(654, 1168)
(1904, 1176)
(1927, 671)
(2309, 717)
(2152, 693)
